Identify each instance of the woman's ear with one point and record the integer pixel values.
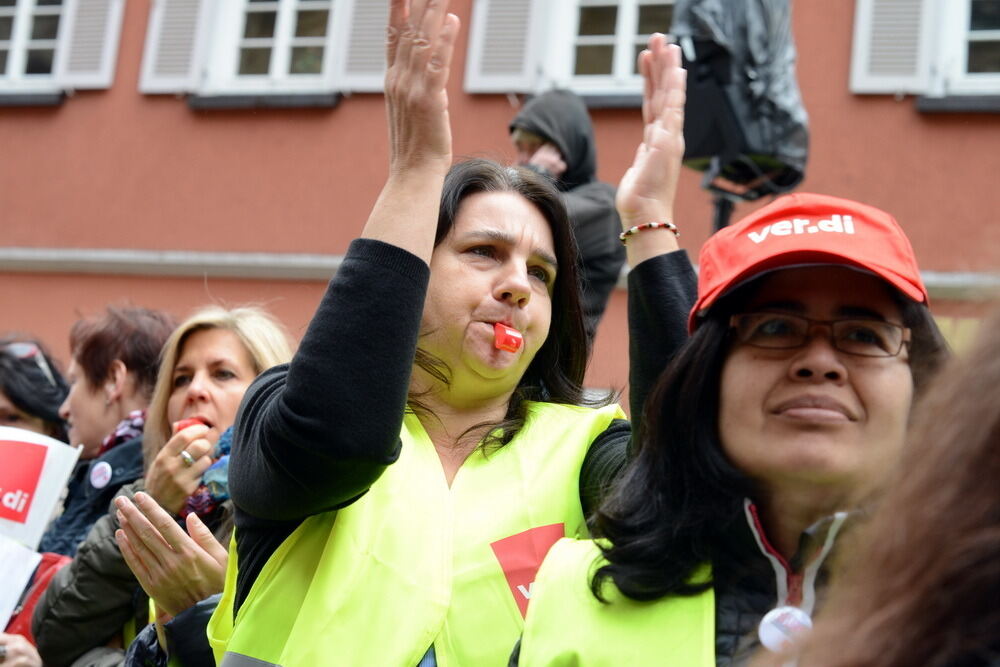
(117, 377)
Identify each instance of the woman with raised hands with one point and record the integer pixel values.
(95, 606)
(398, 483)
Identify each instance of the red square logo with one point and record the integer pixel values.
(520, 557)
(19, 475)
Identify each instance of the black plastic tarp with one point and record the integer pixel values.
(745, 124)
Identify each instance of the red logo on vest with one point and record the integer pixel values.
(19, 475)
(520, 557)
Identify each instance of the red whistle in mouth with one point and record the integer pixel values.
(190, 421)
(507, 338)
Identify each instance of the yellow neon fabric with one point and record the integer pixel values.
(568, 627)
(414, 562)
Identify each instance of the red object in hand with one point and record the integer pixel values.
(507, 338)
(190, 421)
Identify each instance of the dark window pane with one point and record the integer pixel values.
(255, 61)
(307, 60)
(48, 3)
(3, 63)
(985, 15)
(6, 26)
(39, 61)
(260, 24)
(635, 60)
(312, 23)
(8, 3)
(598, 20)
(984, 57)
(594, 59)
(45, 27)
(655, 18)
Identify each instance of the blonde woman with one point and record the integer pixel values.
(206, 366)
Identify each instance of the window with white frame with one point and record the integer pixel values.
(284, 39)
(610, 35)
(589, 46)
(54, 45)
(935, 48)
(29, 34)
(983, 37)
(260, 47)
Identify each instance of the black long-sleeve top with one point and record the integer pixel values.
(313, 435)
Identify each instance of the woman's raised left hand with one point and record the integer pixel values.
(174, 568)
(649, 187)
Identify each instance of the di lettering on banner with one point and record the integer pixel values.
(34, 471)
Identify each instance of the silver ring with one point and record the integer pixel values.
(187, 458)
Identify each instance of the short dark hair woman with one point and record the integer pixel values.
(111, 375)
(811, 337)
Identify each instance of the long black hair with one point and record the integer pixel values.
(30, 390)
(557, 371)
(681, 494)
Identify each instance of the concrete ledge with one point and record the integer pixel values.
(959, 104)
(184, 263)
(946, 285)
(32, 99)
(282, 101)
(952, 286)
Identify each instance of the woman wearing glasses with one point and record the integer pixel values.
(810, 338)
(111, 377)
(31, 389)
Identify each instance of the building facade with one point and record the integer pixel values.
(171, 153)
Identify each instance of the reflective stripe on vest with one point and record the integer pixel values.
(568, 627)
(414, 563)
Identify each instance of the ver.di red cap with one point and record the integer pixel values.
(802, 229)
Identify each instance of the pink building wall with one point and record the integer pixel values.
(118, 169)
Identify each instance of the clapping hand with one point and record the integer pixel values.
(175, 568)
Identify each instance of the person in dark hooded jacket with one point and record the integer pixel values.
(554, 136)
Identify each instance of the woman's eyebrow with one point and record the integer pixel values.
(508, 239)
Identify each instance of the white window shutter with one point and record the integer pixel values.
(88, 43)
(361, 46)
(892, 44)
(504, 42)
(175, 42)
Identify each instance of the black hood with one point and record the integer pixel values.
(561, 117)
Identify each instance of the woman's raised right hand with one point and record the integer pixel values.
(420, 41)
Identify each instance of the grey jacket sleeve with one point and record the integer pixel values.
(90, 599)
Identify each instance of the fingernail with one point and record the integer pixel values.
(120, 502)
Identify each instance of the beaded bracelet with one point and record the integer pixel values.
(623, 237)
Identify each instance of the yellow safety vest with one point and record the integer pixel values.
(413, 562)
(568, 627)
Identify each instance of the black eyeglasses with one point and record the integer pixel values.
(26, 350)
(781, 331)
